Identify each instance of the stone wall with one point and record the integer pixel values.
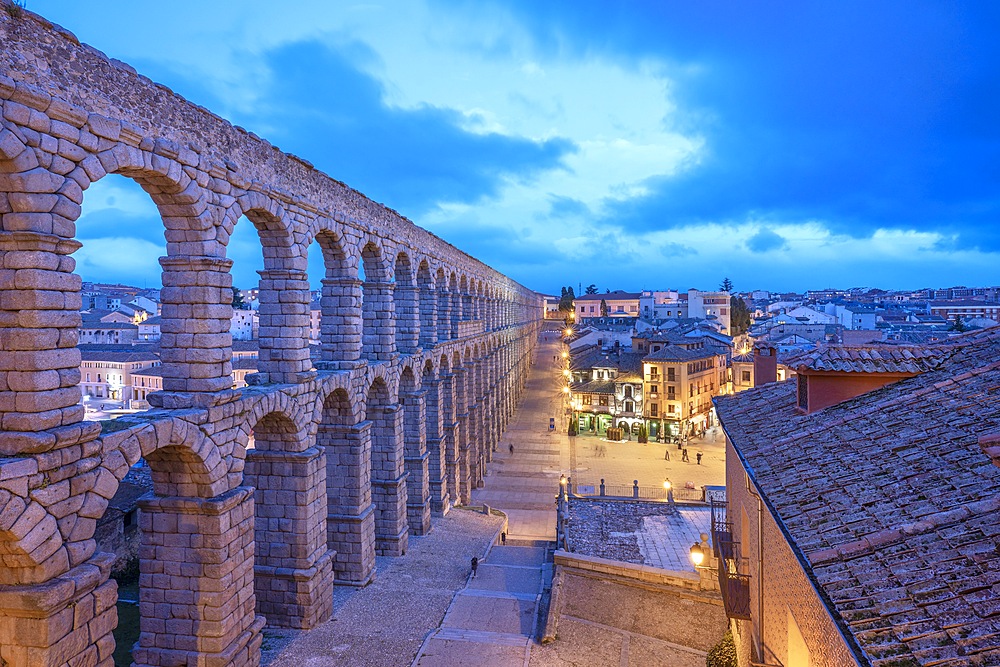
(422, 364)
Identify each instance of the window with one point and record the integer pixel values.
(670, 392)
(604, 400)
(670, 375)
(629, 406)
(628, 391)
(670, 408)
(746, 376)
(587, 399)
(591, 309)
(98, 377)
(690, 390)
(653, 410)
(803, 392)
(654, 389)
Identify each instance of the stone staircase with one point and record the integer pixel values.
(494, 619)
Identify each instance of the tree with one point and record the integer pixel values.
(739, 316)
(959, 326)
(591, 289)
(604, 308)
(238, 302)
(566, 301)
(726, 286)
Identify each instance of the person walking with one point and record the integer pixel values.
(512, 449)
(475, 566)
(684, 456)
(503, 538)
(666, 453)
(698, 456)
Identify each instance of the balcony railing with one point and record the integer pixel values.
(735, 587)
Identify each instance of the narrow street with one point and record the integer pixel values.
(523, 484)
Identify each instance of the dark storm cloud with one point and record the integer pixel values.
(810, 113)
(765, 240)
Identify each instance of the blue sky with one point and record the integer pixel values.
(631, 145)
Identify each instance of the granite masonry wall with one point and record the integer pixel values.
(422, 363)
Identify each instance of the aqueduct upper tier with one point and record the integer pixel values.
(423, 353)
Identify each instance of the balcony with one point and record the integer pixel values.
(735, 587)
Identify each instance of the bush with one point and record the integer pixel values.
(723, 654)
(643, 436)
(572, 427)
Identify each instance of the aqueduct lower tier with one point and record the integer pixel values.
(423, 354)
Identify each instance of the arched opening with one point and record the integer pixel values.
(428, 306)
(457, 443)
(406, 301)
(456, 306)
(335, 317)
(387, 469)
(378, 331)
(122, 240)
(413, 403)
(293, 567)
(436, 467)
(350, 516)
(444, 307)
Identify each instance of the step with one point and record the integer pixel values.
(480, 636)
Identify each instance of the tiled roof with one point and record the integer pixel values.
(873, 359)
(617, 295)
(892, 503)
(678, 353)
(117, 357)
(594, 387)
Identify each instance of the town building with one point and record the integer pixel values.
(93, 332)
(862, 527)
(964, 309)
(245, 324)
(681, 375)
(108, 373)
(606, 389)
(616, 304)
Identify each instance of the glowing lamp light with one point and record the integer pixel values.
(666, 485)
(697, 554)
(565, 390)
(568, 332)
(562, 480)
(565, 354)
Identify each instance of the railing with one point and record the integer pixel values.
(636, 491)
(735, 587)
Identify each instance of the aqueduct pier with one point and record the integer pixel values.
(422, 363)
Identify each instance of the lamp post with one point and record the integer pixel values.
(697, 555)
(669, 488)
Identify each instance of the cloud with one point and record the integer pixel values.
(766, 240)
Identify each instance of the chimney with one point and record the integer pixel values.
(765, 364)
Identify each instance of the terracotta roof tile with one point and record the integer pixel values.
(892, 499)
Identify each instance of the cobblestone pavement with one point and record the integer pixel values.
(384, 624)
(647, 533)
(492, 621)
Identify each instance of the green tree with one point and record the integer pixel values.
(591, 289)
(566, 300)
(739, 316)
(604, 308)
(959, 325)
(238, 302)
(726, 286)
(723, 654)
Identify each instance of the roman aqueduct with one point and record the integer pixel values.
(421, 366)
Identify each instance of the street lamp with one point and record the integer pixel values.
(669, 488)
(697, 554)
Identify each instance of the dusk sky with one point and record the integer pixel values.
(787, 145)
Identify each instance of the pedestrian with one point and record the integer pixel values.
(666, 453)
(503, 538)
(698, 456)
(684, 456)
(475, 565)
(512, 449)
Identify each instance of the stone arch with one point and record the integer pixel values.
(346, 441)
(293, 566)
(455, 299)
(413, 401)
(188, 464)
(340, 303)
(378, 329)
(406, 300)
(277, 423)
(388, 479)
(443, 306)
(428, 305)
